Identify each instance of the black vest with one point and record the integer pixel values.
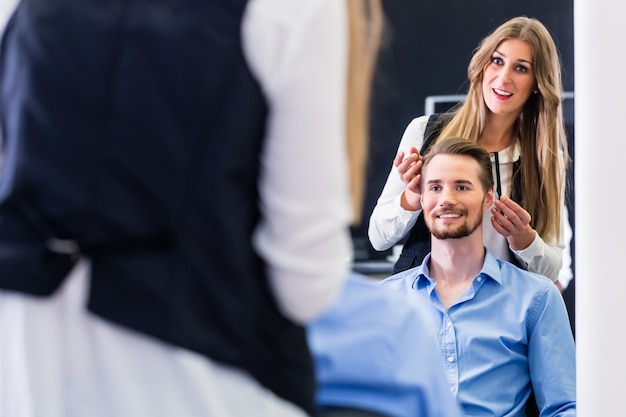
(134, 129)
(417, 244)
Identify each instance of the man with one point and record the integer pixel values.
(373, 356)
(503, 332)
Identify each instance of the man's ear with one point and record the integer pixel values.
(489, 197)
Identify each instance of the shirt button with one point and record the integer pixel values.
(450, 359)
(479, 279)
(452, 390)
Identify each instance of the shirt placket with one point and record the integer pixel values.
(450, 353)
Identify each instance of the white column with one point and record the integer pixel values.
(600, 141)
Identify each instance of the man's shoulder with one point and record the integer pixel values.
(523, 280)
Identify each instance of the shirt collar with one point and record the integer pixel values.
(490, 270)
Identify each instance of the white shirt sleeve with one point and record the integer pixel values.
(298, 52)
(389, 222)
(547, 257)
(551, 259)
(7, 7)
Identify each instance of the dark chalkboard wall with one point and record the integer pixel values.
(426, 52)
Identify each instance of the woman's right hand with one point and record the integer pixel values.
(410, 169)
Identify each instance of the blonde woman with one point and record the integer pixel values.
(513, 109)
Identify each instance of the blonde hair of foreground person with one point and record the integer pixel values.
(366, 23)
(540, 125)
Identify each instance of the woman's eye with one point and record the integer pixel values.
(496, 60)
(522, 69)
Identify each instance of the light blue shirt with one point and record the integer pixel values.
(374, 351)
(508, 330)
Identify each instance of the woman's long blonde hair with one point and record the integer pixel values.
(540, 126)
(365, 29)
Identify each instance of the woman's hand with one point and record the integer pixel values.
(410, 169)
(513, 222)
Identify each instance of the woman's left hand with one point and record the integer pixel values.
(513, 222)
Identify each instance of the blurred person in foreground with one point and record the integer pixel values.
(165, 229)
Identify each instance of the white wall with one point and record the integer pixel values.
(600, 85)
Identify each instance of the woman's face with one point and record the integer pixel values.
(509, 78)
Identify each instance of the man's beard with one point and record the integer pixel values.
(464, 230)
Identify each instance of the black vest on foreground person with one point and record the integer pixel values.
(417, 244)
(134, 129)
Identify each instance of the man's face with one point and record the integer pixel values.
(453, 200)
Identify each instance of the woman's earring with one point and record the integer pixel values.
(535, 92)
